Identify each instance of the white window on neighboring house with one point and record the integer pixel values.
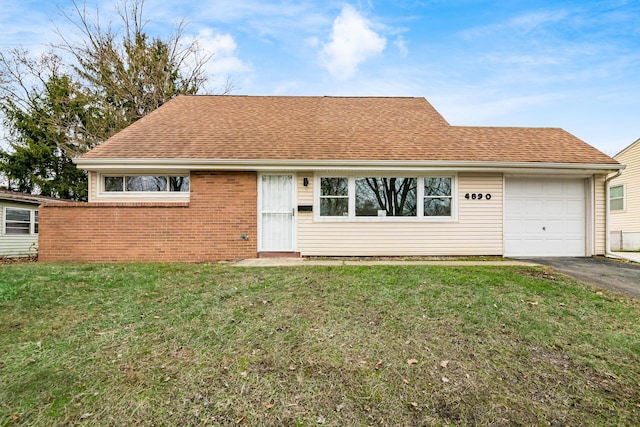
(616, 198)
(20, 221)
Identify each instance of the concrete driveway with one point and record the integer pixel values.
(617, 276)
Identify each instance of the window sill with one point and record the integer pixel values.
(387, 220)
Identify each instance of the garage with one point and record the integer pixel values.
(544, 217)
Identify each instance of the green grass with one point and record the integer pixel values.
(177, 344)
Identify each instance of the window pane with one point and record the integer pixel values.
(334, 186)
(179, 183)
(146, 183)
(17, 228)
(437, 207)
(617, 204)
(437, 186)
(15, 214)
(35, 224)
(338, 206)
(113, 183)
(617, 191)
(386, 196)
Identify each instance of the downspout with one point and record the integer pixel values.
(607, 226)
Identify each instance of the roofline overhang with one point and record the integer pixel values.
(101, 165)
(35, 200)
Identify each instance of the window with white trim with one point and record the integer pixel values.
(372, 197)
(145, 183)
(386, 196)
(437, 196)
(616, 198)
(334, 197)
(19, 221)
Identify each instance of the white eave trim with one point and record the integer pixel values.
(185, 165)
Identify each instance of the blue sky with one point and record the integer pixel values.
(568, 64)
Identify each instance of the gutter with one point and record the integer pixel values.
(607, 213)
(185, 165)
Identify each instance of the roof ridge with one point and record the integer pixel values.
(300, 96)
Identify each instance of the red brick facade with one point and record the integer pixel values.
(222, 208)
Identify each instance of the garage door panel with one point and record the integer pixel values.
(553, 227)
(554, 188)
(574, 227)
(516, 207)
(532, 226)
(574, 207)
(554, 208)
(574, 187)
(532, 188)
(544, 217)
(573, 247)
(532, 206)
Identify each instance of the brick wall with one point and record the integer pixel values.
(222, 207)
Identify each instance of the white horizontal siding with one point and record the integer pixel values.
(305, 194)
(478, 230)
(92, 177)
(628, 220)
(18, 245)
(599, 221)
(12, 245)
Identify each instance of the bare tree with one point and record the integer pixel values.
(129, 71)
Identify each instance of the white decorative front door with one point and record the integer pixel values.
(277, 213)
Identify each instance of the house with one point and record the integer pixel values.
(19, 218)
(207, 178)
(624, 201)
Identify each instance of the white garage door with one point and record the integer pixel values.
(544, 217)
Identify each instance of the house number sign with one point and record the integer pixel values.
(477, 196)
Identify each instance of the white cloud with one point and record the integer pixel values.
(401, 44)
(225, 63)
(352, 42)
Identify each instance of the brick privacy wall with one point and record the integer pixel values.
(222, 207)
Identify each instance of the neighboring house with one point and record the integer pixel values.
(19, 218)
(624, 201)
(207, 178)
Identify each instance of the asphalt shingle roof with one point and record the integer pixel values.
(331, 128)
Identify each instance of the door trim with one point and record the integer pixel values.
(294, 222)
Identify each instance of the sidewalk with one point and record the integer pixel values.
(302, 262)
(629, 256)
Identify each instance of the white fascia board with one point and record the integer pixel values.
(185, 165)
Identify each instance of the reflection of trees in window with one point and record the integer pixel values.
(334, 197)
(437, 197)
(146, 183)
(113, 183)
(179, 183)
(386, 196)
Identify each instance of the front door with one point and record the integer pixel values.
(277, 213)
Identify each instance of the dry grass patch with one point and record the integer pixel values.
(385, 345)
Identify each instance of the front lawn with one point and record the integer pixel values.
(178, 344)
